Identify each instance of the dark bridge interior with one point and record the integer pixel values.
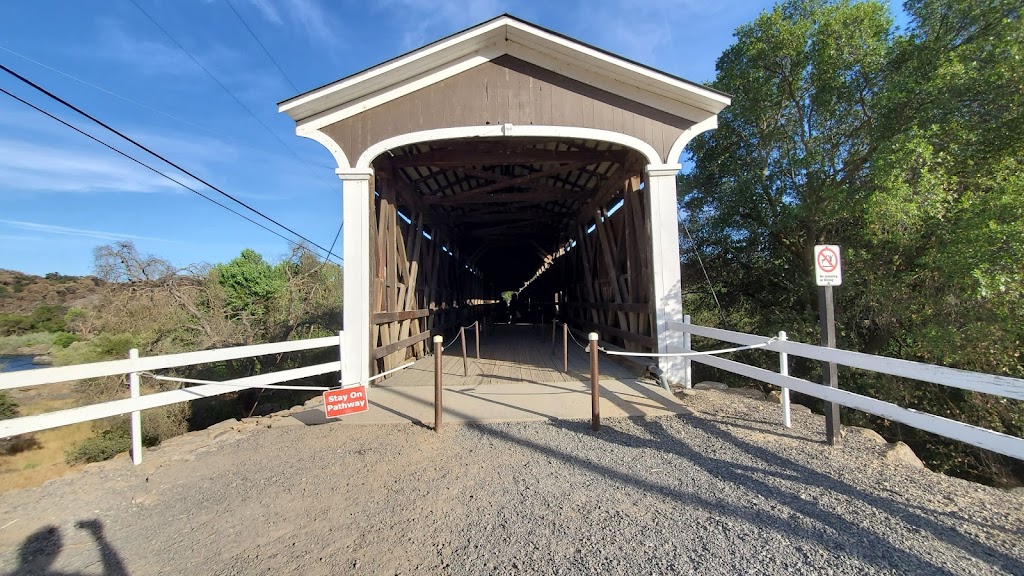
(507, 205)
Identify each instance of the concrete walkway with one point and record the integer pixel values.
(523, 402)
(517, 379)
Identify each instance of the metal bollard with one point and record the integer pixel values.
(477, 339)
(565, 348)
(595, 395)
(465, 362)
(438, 351)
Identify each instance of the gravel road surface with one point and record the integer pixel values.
(725, 490)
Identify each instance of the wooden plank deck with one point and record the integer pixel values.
(511, 354)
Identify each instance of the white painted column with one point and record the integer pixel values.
(356, 203)
(668, 304)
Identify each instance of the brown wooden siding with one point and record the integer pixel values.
(507, 90)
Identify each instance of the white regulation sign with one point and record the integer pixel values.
(828, 269)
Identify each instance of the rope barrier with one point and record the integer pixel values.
(685, 354)
(263, 386)
(383, 374)
(585, 348)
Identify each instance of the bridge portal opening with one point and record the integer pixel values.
(456, 223)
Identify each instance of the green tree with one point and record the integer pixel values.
(906, 150)
(252, 287)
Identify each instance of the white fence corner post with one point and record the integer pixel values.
(133, 387)
(687, 363)
(784, 370)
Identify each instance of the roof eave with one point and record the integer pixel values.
(476, 38)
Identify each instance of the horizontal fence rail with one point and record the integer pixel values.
(985, 383)
(23, 379)
(137, 403)
(1004, 386)
(26, 424)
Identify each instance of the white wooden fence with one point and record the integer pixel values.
(134, 365)
(1002, 386)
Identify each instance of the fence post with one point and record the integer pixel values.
(438, 351)
(133, 387)
(595, 395)
(687, 363)
(565, 348)
(477, 339)
(784, 370)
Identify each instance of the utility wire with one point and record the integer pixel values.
(221, 84)
(150, 168)
(155, 154)
(146, 106)
(265, 51)
(701, 262)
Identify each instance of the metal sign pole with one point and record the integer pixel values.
(829, 373)
(828, 271)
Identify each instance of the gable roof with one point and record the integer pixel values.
(502, 35)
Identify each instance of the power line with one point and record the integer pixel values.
(155, 154)
(154, 170)
(221, 84)
(705, 270)
(146, 106)
(265, 51)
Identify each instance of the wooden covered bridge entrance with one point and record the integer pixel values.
(503, 158)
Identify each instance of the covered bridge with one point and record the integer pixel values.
(506, 157)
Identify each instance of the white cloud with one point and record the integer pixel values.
(662, 33)
(32, 167)
(267, 10)
(308, 17)
(155, 57)
(427, 20)
(65, 230)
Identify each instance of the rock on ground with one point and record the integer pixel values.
(725, 490)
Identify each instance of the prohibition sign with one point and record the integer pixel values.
(828, 267)
(828, 260)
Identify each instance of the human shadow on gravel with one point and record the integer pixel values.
(39, 552)
(855, 540)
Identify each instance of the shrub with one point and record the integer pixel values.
(109, 442)
(8, 407)
(102, 445)
(64, 339)
(102, 347)
(17, 444)
(49, 318)
(11, 344)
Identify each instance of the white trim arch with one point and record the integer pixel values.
(327, 142)
(508, 130)
(689, 134)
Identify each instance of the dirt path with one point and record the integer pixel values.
(723, 491)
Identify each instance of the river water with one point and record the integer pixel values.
(15, 363)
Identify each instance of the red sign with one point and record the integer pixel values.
(343, 401)
(828, 260)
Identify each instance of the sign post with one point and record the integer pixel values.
(828, 272)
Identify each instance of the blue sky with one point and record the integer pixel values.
(61, 194)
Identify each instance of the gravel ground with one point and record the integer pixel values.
(722, 491)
